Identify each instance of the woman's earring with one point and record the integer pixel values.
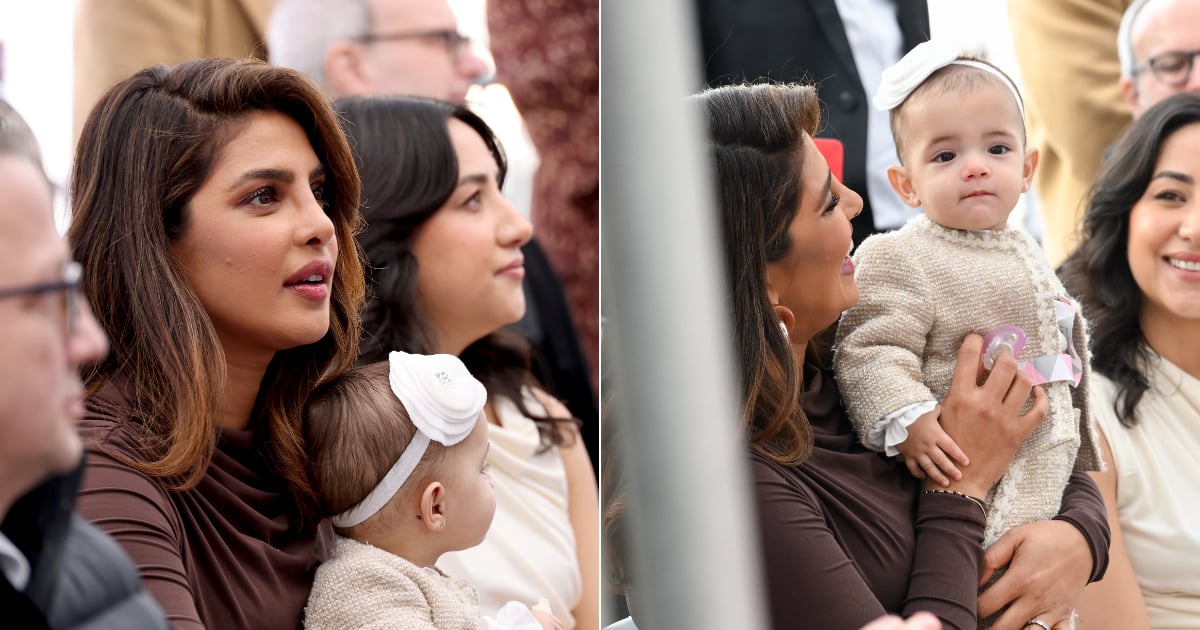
(787, 319)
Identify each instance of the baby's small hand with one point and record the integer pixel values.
(929, 451)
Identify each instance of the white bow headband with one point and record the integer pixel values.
(898, 81)
(444, 402)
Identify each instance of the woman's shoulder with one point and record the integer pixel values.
(108, 422)
(766, 472)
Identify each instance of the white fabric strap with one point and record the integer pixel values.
(900, 80)
(388, 486)
(443, 401)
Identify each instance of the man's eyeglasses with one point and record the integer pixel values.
(1172, 68)
(68, 287)
(454, 42)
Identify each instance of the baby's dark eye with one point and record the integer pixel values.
(944, 156)
(999, 149)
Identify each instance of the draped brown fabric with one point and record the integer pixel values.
(848, 536)
(220, 555)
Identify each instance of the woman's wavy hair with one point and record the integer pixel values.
(146, 148)
(756, 135)
(409, 171)
(1098, 272)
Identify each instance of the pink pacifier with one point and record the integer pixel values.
(1011, 338)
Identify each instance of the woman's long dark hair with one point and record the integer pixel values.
(146, 148)
(1098, 272)
(757, 144)
(409, 169)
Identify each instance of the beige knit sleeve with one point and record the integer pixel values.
(881, 340)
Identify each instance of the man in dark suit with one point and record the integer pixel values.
(808, 41)
(56, 571)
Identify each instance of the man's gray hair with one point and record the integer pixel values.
(300, 32)
(1125, 37)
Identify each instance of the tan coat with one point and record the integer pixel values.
(922, 289)
(366, 587)
(115, 38)
(1067, 54)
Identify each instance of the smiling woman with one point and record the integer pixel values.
(1137, 273)
(215, 206)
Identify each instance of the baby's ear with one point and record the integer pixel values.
(1031, 162)
(902, 184)
(433, 506)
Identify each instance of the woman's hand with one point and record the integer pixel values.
(1049, 566)
(919, 621)
(982, 414)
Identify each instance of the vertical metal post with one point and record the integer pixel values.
(694, 552)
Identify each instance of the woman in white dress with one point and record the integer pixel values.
(1137, 274)
(446, 276)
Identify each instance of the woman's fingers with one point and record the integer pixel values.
(1029, 420)
(968, 367)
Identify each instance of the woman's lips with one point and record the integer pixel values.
(312, 281)
(515, 269)
(314, 292)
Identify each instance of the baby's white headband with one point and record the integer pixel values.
(444, 402)
(898, 81)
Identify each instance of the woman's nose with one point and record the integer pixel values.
(515, 229)
(316, 226)
(852, 202)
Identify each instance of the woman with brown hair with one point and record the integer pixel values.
(847, 534)
(447, 272)
(215, 205)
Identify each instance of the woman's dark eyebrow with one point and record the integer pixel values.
(1175, 175)
(271, 174)
(275, 174)
(474, 178)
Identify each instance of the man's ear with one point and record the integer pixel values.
(1031, 162)
(347, 70)
(1129, 94)
(433, 506)
(902, 184)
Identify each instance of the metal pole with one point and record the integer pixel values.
(694, 552)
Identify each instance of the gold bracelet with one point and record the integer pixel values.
(974, 500)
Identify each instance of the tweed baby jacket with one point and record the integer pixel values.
(922, 289)
(363, 586)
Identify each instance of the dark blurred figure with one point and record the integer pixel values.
(840, 45)
(56, 570)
